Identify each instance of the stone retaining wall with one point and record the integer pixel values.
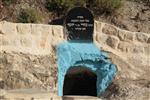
(35, 39)
(130, 51)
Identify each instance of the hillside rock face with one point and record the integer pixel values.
(133, 15)
(28, 57)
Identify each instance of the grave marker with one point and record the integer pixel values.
(79, 24)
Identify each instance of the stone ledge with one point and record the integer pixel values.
(28, 94)
(37, 94)
(142, 37)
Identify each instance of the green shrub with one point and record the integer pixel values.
(105, 6)
(29, 16)
(97, 6)
(61, 6)
(8, 2)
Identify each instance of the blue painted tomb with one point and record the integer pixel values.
(75, 54)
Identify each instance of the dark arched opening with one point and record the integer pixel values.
(80, 81)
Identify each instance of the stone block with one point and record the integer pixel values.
(26, 41)
(4, 40)
(128, 47)
(137, 49)
(112, 41)
(1, 28)
(129, 36)
(121, 35)
(57, 34)
(101, 38)
(46, 31)
(110, 30)
(2, 92)
(1, 22)
(23, 28)
(148, 41)
(124, 46)
(36, 30)
(10, 40)
(8, 28)
(147, 50)
(57, 31)
(15, 41)
(142, 37)
(98, 26)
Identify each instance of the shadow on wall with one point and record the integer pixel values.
(58, 21)
(68, 98)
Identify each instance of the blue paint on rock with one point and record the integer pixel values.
(74, 54)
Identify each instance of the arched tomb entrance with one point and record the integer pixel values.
(80, 81)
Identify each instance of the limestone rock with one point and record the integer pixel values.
(101, 38)
(23, 29)
(0, 27)
(124, 46)
(57, 32)
(121, 35)
(112, 41)
(137, 49)
(142, 37)
(110, 30)
(147, 50)
(98, 26)
(26, 71)
(2, 94)
(8, 28)
(148, 41)
(129, 36)
(131, 48)
(26, 41)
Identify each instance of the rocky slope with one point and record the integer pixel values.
(133, 15)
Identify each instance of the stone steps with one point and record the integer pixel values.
(80, 98)
(31, 94)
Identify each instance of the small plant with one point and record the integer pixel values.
(97, 6)
(29, 16)
(8, 2)
(61, 6)
(105, 6)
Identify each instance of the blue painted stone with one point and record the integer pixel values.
(74, 54)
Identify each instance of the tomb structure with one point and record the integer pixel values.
(83, 69)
